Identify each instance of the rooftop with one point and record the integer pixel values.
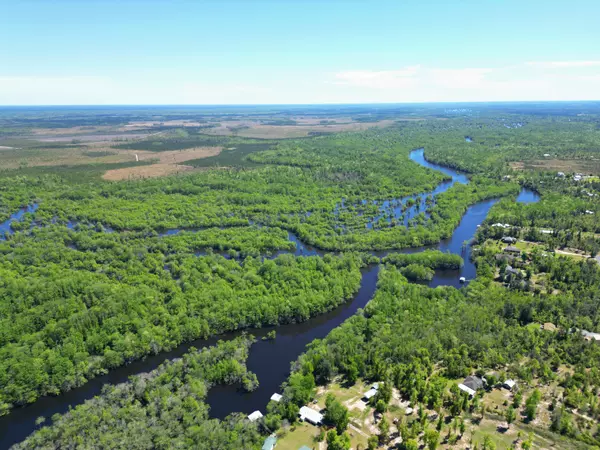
(473, 382)
(311, 415)
(255, 416)
(467, 389)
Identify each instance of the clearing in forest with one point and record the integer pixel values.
(167, 163)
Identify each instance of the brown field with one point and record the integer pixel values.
(251, 129)
(585, 166)
(167, 163)
(151, 171)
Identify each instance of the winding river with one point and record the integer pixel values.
(269, 360)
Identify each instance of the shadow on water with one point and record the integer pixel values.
(270, 360)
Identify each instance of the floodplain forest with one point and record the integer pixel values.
(95, 274)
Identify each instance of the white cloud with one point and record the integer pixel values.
(577, 80)
(458, 78)
(572, 80)
(34, 90)
(378, 79)
(562, 64)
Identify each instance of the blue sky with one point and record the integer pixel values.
(297, 51)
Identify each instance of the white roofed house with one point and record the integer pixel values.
(255, 416)
(471, 385)
(276, 397)
(467, 389)
(369, 394)
(589, 336)
(310, 415)
(509, 384)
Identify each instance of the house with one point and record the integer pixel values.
(560, 174)
(548, 326)
(546, 155)
(512, 249)
(587, 211)
(255, 416)
(269, 443)
(276, 397)
(310, 415)
(546, 231)
(467, 389)
(509, 240)
(369, 394)
(509, 384)
(473, 382)
(589, 336)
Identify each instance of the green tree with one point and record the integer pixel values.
(336, 413)
(384, 430)
(510, 415)
(337, 442)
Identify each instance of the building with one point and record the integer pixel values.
(255, 416)
(512, 249)
(269, 443)
(276, 397)
(589, 336)
(548, 326)
(473, 382)
(509, 240)
(310, 415)
(369, 394)
(509, 384)
(467, 389)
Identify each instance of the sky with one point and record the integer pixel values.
(111, 52)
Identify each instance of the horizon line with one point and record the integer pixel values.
(296, 104)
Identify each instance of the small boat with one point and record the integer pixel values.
(462, 279)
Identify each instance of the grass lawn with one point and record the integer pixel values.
(303, 434)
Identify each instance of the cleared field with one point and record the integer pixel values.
(167, 163)
(585, 166)
(253, 130)
(151, 171)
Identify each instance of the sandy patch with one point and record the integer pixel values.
(168, 163)
(151, 171)
(174, 156)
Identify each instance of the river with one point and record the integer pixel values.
(269, 360)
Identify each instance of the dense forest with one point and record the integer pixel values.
(162, 409)
(75, 304)
(96, 274)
